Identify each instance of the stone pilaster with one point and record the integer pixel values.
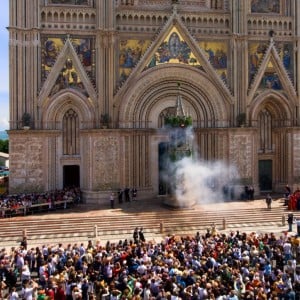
(24, 49)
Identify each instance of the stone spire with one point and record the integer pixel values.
(179, 107)
(174, 5)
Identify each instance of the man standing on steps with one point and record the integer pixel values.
(141, 235)
(120, 196)
(136, 235)
(269, 201)
(112, 200)
(298, 226)
(127, 194)
(290, 220)
(134, 194)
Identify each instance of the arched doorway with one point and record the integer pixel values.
(265, 166)
(272, 116)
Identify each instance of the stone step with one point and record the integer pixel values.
(83, 223)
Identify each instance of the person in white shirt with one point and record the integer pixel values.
(13, 295)
(142, 269)
(287, 250)
(147, 292)
(29, 288)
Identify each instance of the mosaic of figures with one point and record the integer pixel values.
(270, 79)
(216, 53)
(129, 55)
(173, 50)
(72, 2)
(265, 6)
(68, 76)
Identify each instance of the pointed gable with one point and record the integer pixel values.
(272, 74)
(67, 72)
(174, 44)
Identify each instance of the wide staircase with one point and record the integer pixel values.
(81, 222)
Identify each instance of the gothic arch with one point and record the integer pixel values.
(54, 109)
(156, 88)
(278, 105)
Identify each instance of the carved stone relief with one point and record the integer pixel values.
(27, 161)
(106, 175)
(240, 153)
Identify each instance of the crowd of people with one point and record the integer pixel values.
(127, 194)
(32, 202)
(124, 195)
(293, 199)
(211, 265)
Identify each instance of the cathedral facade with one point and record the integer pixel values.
(91, 82)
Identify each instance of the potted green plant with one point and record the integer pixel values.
(178, 121)
(26, 120)
(105, 119)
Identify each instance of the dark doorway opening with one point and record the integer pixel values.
(265, 175)
(71, 176)
(163, 161)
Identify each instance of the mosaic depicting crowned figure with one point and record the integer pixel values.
(265, 6)
(173, 50)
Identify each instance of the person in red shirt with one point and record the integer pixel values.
(50, 293)
(60, 293)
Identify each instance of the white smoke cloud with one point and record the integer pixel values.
(194, 181)
(203, 182)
